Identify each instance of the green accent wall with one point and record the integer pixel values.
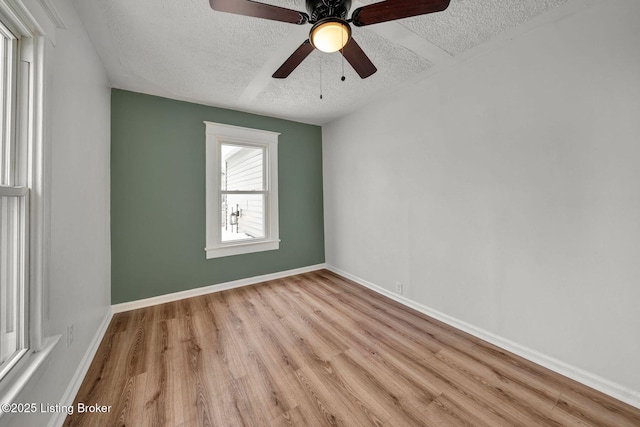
(158, 197)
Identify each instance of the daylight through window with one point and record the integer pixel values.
(242, 192)
(14, 214)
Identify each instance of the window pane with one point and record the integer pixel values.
(4, 137)
(12, 218)
(7, 92)
(242, 168)
(242, 217)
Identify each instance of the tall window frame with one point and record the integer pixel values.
(24, 184)
(218, 135)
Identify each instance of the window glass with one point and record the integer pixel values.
(7, 90)
(242, 168)
(243, 217)
(242, 198)
(14, 217)
(11, 225)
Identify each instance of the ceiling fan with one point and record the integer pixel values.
(331, 31)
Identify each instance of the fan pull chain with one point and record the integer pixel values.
(321, 78)
(343, 78)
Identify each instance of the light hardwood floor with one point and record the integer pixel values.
(318, 350)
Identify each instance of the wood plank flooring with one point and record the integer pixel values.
(318, 350)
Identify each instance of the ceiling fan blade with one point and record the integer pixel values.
(390, 10)
(294, 60)
(359, 60)
(260, 10)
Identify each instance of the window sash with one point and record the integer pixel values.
(8, 67)
(263, 147)
(255, 146)
(14, 209)
(14, 253)
(252, 222)
(244, 192)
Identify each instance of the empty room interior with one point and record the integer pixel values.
(320, 212)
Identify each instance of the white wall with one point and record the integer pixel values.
(79, 272)
(504, 191)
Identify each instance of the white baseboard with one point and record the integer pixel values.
(72, 389)
(615, 390)
(147, 302)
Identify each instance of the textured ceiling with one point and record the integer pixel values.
(185, 50)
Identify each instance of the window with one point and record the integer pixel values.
(22, 200)
(14, 214)
(241, 190)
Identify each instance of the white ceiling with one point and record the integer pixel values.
(185, 50)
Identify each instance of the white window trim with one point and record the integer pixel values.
(217, 134)
(30, 129)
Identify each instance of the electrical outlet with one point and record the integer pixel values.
(399, 288)
(69, 335)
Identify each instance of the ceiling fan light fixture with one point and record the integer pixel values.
(330, 35)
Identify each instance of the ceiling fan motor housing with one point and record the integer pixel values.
(321, 9)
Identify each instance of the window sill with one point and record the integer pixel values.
(240, 248)
(21, 373)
